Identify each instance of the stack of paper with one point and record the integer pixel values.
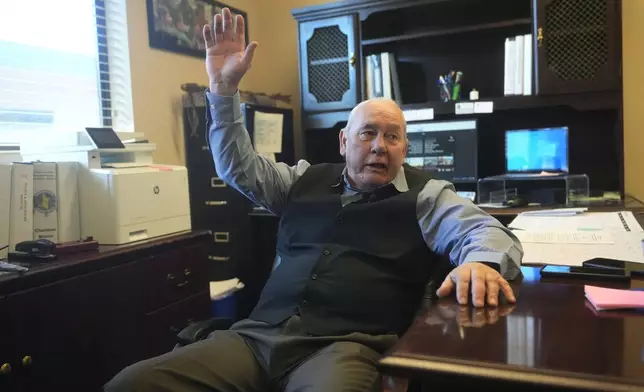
(571, 236)
(605, 299)
(223, 288)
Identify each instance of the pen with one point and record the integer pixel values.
(442, 81)
(456, 92)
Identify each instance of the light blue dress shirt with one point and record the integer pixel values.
(450, 224)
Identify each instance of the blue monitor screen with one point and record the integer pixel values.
(544, 149)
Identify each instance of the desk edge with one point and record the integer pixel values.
(481, 370)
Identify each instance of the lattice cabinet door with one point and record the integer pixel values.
(329, 60)
(578, 45)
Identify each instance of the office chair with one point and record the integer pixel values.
(201, 329)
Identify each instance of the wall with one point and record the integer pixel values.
(633, 38)
(157, 77)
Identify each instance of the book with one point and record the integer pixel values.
(5, 197)
(21, 215)
(45, 201)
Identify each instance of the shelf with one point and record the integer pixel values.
(580, 101)
(450, 31)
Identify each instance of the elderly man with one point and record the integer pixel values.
(358, 244)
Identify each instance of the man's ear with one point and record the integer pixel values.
(343, 142)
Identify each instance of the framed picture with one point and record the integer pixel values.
(177, 25)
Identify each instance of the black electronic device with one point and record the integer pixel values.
(104, 138)
(563, 271)
(446, 149)
(36, 247)
(635, 269)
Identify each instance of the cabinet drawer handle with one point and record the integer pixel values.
(172, 279)
(5, 368)
(219, 258)
(27, 360)
(216, 182)
(222, 236)
(216, 203)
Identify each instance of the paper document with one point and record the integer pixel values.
(603, 299)
(565, 237)
(611, 235)
(267, 132)
(621, 222)
(626, 246)
(223, 288)
(555, 212)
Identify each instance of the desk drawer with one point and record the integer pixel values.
(173, 276)
(162, 326)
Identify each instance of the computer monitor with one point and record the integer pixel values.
(447, 149)
(536, 150)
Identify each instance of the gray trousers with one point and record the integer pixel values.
(254, 356)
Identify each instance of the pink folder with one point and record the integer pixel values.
(602, 298)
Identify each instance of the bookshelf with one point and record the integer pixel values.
(575, 68)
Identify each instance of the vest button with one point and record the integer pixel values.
(326, 252)
(314, 276)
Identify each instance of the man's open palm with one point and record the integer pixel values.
(227, 57)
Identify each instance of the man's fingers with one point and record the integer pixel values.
(446, 287)
(227, 16)
(240, 33)
(463, 286)
(507, 290)
(492, 293)
(219, 29)
(247, 59)
(207, 36)
(478, 287)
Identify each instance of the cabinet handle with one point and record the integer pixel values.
(540, 36)
(5, 368)
(216, 203)
(171, 279)
(219, 258)
(27, 361)
(352, 60)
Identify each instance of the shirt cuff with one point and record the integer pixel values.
(224, 109)
(496, 260)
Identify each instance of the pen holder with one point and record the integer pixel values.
(449, 91)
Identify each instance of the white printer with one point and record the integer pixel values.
(124, 196)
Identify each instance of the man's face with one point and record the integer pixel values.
(374, 144)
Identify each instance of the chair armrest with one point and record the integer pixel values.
(201, 329)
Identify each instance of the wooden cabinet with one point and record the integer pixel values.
(73, 324)
(330, 63)
(578, 45)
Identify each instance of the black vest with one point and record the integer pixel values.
(359, 268)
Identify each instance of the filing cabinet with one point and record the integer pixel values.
(221, 209)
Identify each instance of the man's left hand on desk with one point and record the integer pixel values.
(484, 282)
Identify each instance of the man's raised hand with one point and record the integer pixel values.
(227, 57)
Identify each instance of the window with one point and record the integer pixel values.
(58, 74)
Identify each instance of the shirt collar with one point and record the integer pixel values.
(399, 182)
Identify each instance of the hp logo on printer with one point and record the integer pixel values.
(156, 189)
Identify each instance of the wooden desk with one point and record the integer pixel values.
(70, 325)
(551, 337)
